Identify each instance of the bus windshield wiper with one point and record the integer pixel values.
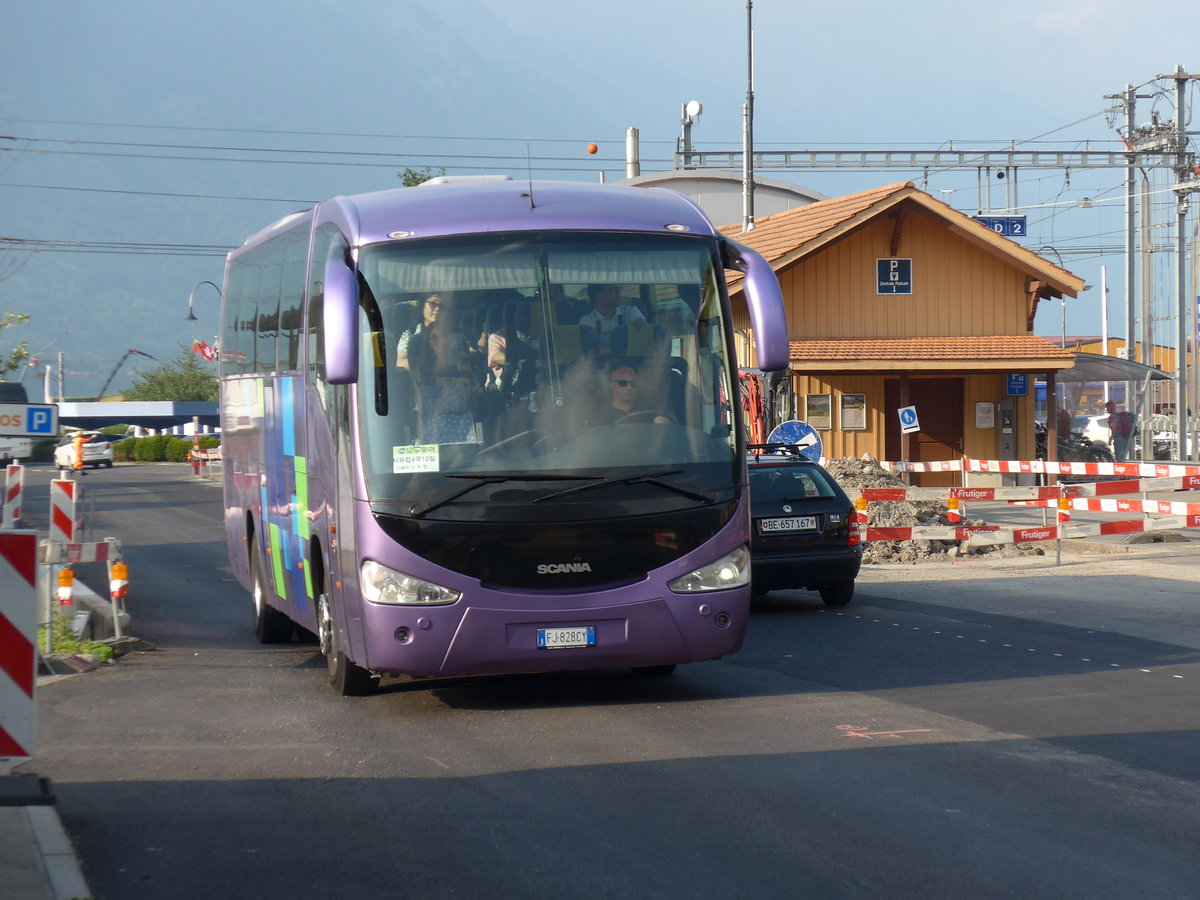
(420, 509)
(646, 478)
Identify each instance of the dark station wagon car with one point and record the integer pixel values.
(804, 533)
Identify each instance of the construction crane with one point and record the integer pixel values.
(117, 367)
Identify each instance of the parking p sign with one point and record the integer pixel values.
(28, 419)
(893, 276)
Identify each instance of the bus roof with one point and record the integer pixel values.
(472, 207)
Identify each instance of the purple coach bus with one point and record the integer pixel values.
(490, 426)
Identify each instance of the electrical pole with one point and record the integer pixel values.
(1185, 183)
(748, 128)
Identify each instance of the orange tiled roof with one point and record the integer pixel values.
(776, 236)
(896, 354)
(785, 237)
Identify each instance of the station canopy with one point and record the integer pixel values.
(1090, 367)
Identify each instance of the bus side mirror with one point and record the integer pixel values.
(764, 300)
(340, 320)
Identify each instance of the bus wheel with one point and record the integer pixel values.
(270, 625)
(347, 678)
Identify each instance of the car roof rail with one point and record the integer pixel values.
(781, 448)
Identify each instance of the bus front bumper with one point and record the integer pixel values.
(476, 640)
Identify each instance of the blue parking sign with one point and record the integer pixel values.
(1018, 385)
(893, 276)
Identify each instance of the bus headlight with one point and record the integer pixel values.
(730, 571)
(383, 585)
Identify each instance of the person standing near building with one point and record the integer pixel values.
(1120, 430)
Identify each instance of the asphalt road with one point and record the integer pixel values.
(953, 733)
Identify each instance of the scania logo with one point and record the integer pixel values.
(562, 568)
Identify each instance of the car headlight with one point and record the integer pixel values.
(730, 571)
(383, 585)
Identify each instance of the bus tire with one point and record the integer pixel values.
(270, 625)
(347, 677)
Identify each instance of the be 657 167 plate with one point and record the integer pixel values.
(795, 523)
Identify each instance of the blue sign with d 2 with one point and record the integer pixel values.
(1009, 226)
(1018, 385)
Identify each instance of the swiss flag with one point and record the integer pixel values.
(204, 350)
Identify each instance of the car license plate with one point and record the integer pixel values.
(796, 523)
(562, 638)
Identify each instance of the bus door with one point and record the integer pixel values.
(285, 508)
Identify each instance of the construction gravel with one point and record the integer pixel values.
(855, 475)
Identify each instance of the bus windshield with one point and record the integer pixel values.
(552, 356)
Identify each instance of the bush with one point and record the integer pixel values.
(151, 449)
(161, 448)
(177, 449)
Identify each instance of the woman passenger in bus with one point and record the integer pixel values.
(431, 309)
(447, 369)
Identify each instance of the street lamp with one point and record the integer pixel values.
(191, 316)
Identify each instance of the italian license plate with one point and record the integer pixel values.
(563, 638)
(796, 523)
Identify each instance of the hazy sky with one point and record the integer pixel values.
(173, 131)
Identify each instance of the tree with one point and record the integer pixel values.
(186, 377)
(19, 353)
(413, 177)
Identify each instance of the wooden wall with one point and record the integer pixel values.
(958, 288)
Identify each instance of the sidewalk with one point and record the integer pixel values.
(37, 861)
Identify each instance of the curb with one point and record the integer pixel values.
(65, 878)
(45, 856)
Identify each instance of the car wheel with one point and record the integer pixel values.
(108, 464)
(270, 625)
(837, 594)
(348, 678)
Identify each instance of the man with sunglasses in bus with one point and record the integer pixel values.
(623, 390)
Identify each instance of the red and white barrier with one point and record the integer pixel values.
(1108, 496)
(1089, 529)
(64, 522)
(926, 532)
(18, 636)
(1042, 466)
(1122, 505)
(14, 484)
(54, 553)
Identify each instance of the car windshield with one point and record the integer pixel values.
(578, 356)
(790, 483)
